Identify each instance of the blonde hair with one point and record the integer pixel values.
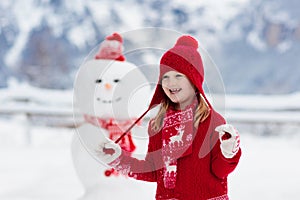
(201, 113)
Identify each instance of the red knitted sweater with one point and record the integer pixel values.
(201, 175)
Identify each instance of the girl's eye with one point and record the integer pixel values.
(165, 77)
(117, 80)
(98, 81)
(179, 75)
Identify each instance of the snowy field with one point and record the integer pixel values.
(269, 167)
(36, 160)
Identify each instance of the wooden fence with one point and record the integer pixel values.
(241, 110)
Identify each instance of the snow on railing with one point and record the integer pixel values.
(35, 102)
(286, 102)
(42, 106)
(54, 107)
(264, 109)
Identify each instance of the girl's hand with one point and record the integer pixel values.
(230, 140)
(108, 151)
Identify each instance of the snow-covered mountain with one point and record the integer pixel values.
(255, 44)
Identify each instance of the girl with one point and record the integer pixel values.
(186, 157)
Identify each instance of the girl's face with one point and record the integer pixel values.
(178, 88)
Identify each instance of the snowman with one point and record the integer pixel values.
(109, 94)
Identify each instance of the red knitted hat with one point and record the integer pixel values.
(184, 58)
(111, 48)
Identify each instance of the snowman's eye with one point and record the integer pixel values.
(98, 81)
(117, 80)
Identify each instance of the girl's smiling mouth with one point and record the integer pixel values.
(175, 90)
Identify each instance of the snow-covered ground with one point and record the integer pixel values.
(36, 160)
(269, 167)
(42, 170)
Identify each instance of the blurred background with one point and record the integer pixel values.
(254, 44)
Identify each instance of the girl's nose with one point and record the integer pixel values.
(168, 83)
(171, 82)
(108, 86)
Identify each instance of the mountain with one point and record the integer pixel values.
(255, 44)
(260, 50)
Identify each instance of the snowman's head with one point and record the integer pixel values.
(111, 89)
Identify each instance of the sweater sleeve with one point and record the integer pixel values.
(221, 166)
(145, 169)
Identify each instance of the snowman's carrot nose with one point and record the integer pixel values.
(107, 86)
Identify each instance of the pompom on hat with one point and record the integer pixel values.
(184, 58)
(111, 48)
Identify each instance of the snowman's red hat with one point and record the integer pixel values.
(111, 48)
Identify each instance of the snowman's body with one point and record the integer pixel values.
(109, 96)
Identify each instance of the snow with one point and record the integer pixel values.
(18, 92)
(268, 169)
(75, 34)
(42, 170)
(95, 13)
(263, 102)
(36, 161)
(22, 11)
